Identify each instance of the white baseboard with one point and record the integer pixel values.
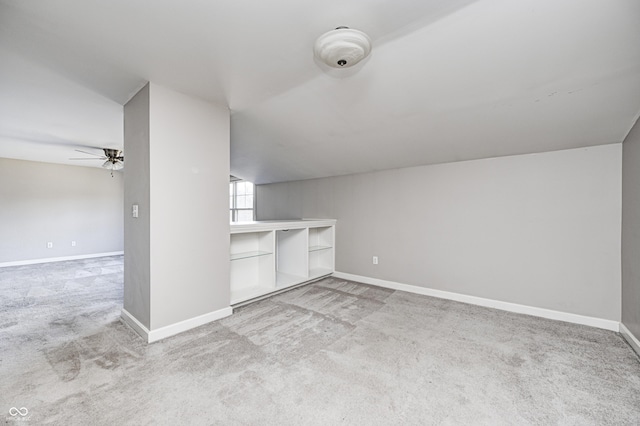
(489, 303)
(630, 338)
(171, 330)
(179, 327)
(136, 325)
(59, 259)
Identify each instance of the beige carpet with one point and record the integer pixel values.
(333, 352)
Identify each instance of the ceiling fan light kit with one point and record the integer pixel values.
(113, 165)
(343, 47)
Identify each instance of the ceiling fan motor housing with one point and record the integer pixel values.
(113, 154)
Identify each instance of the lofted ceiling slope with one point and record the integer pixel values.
(446, 80)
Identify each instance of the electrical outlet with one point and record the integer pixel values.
(375, 260)
(73, 243)
(49, 244)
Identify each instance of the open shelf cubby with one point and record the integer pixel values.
(321, 238)
(292, 256)
(321, 254)
(252, 265)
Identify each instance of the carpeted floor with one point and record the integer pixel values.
(330, 353)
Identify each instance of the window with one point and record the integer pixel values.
(241, 199)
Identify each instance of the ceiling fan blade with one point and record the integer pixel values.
(92, 159)
(90, 153)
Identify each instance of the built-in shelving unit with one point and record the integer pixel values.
(273, 255)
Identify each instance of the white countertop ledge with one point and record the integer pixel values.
(275, 225)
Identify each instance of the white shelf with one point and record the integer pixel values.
(318, 248)
(319, 272)
(248, 293)
(287, 280)
(249, 254)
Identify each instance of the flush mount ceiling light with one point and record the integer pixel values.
(342, 47)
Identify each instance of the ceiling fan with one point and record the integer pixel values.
(113, 159)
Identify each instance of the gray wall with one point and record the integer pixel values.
(631, 231)
(177, 251)
(190, 145)
(541, 230)
(42, 202)
(137, 292)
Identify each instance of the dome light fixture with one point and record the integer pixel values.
(343, 47)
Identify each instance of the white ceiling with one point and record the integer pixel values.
(447, 80)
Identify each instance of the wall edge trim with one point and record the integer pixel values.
(487, 303)
(630, 338)
(59, 259)
(134, 324)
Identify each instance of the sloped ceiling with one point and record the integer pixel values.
(446, 80)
